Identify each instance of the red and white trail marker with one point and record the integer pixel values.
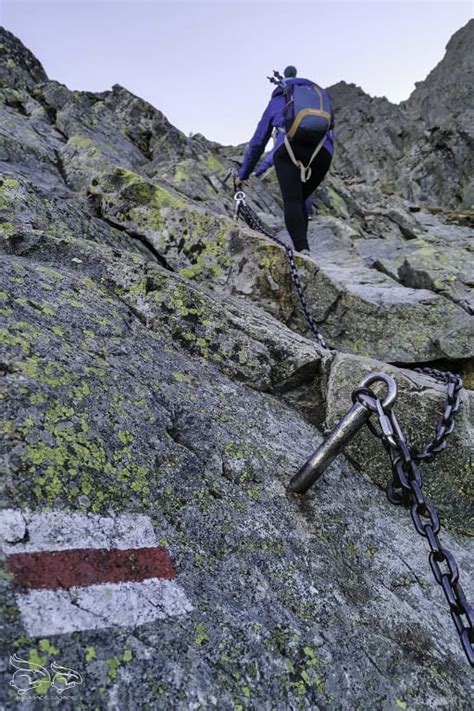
(79, 572)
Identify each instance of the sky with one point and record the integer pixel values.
(204, 64)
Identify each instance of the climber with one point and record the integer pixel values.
(303, 147)
(267, 163)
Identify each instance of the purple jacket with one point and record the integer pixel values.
(266, 163)
(273, 117)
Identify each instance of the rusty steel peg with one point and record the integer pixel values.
(346, 428)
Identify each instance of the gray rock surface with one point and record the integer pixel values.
(154, 362)
(421, 148)
(359, 308)
(281, 588)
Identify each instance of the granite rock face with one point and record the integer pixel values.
(155, 363)
(445, 100)
(422, 148)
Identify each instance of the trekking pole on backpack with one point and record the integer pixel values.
(277, 78)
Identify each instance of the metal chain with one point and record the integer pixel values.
(446, 423)
(251, 218)
(406, 489)
(406, 485)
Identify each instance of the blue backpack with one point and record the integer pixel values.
(308, 118)
(307, 113)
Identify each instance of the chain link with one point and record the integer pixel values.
(406, 489)
(249, 216)
(446, 422)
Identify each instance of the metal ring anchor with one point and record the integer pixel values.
(391, 395)
(342, 433)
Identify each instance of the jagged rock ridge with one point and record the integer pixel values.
(421, 149)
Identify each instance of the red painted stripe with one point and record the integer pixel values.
(88, 566)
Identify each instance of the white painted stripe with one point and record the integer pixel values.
(129, 604)
(50, 612)
(34, 532)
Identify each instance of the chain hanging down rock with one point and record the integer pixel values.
(406, 485)
(243, 209)
(446, 422)
(405, 488)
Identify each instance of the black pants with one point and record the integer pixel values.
(295, 192)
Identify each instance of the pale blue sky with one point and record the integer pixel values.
(204, 64)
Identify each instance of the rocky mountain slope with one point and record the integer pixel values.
(155, 364)
(421, 149)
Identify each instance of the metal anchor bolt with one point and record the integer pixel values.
(347, 427)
